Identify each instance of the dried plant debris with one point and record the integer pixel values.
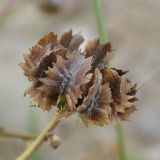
(78, 81)
(48, 6)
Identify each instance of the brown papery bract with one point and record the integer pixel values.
(57, 67)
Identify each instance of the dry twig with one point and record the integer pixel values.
(43, 135)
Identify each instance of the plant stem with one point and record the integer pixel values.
(11, 134)
(121, 142)
(104, 39)
(100, 21)
(32, 127)
(42, 136)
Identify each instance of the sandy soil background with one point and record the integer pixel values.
(133, 28)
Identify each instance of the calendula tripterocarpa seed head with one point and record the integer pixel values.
(57, 68)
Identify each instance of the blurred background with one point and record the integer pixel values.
(133, 28)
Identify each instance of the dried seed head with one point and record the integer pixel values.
(41, 56)
(42, 99)
(50, 51)
(57, 68)
(96, 105)
(101, 53)
(110, 98)
(123, 93)
(66, 77)
(72, 42)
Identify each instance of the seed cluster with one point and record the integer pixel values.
(57, 67)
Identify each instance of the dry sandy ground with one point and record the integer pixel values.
(133, 27)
